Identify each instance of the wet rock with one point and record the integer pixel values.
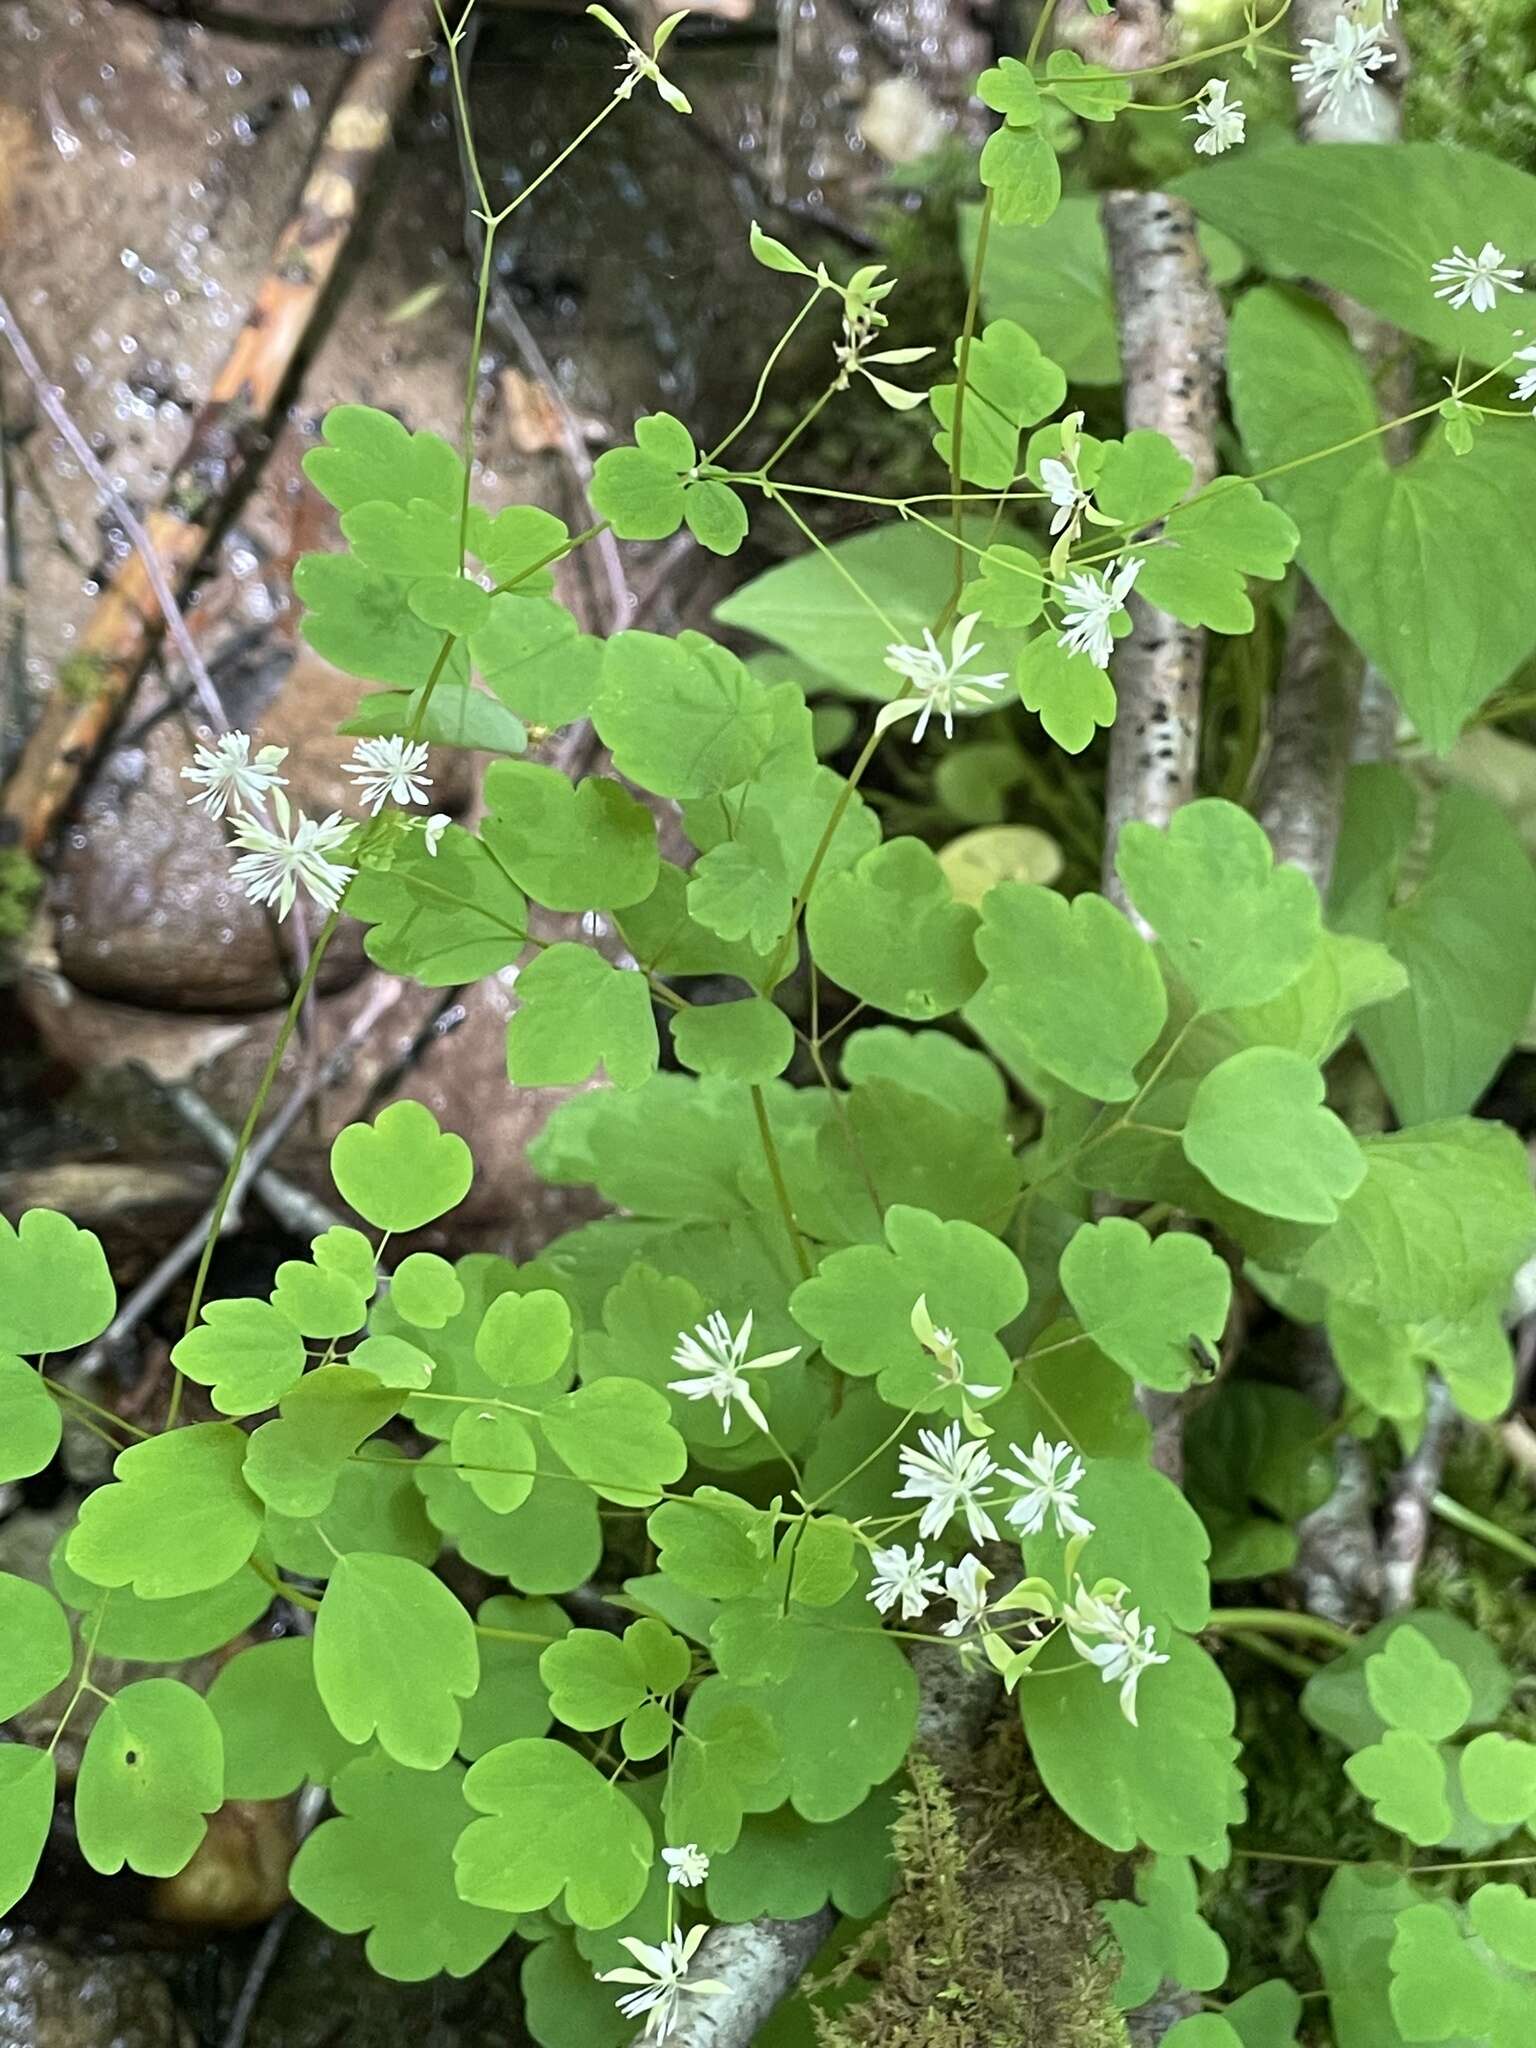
(144, 908)
(238, 1875)
(322, 1994)
(50, 1998)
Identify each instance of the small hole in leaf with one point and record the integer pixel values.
(130, 1756)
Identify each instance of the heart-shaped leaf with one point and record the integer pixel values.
(401, 1171)
(180, 1518)
(1259, 1131)
(56, 1290)
(153, 1769)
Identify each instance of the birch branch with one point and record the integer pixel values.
(1172, 342)
(1172, 345)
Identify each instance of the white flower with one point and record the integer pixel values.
(1113, 1640)
(941, 1345)
(902, 1575)
(951, 1477)
(1223, 120)
(966, 1584)
(1090, 599)
(718, 1360)
(1525, 389)
(1475, 280)
(391, 770)
(1340, 71)
(688, 1866)
(1047, 1489)
(662, 1977)
(1066, 493)
(230, 777)
(275, 863)
(640, 63)
(936, 680)
(434, 828)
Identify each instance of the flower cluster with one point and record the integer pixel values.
(954, 1479)
(274, 863)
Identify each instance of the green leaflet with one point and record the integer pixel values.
(368, 455)
(541, 666)
(39, 1648)
(587, 847)
(179, 1519)
(1073, 985)
(1259, 1131)
(394, 1653)
(1235, 928)
(889, 930)
(576, 1013)
(27, 1778)
(862, 1308)
(1442, 533)
(1146, 1301)
(293, 1463)
(683, 717)
(1464, 929)
(1177, 1792)
(153, 1768)
(552, 1826)
(442, 918)
(277, 1735)
(401, 1171)
(1010, 385)
(385, 1866)
(30, 1423)
(1162, 1936)
(55, 1289)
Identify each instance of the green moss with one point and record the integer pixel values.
(992, 1940)
(1473, 80)
(80, 676)
(21, 882)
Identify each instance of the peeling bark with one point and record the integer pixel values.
(1172, 341)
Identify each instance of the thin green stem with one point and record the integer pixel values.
(780, 1185)
(81, 1688)
(1463, 1518)
(962, 375)
(863, 1465)
(1279, 1621)
(1042, 28)
(796, 431)
(765, 373)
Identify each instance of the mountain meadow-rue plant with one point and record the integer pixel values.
(858, 1360)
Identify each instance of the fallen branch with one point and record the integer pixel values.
(294, 1207)
(152, 1289)
(229, 431)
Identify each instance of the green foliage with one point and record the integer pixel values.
(869, 1289)
(1295, 381)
